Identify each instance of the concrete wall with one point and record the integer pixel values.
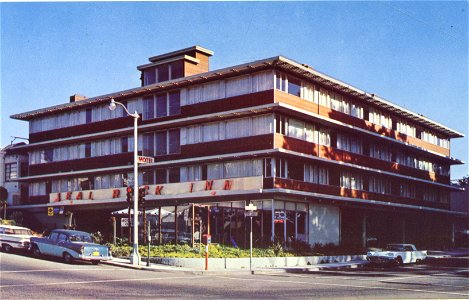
(257, 262)
(324, 224)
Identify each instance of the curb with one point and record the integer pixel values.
(243, 272)
(183, 271)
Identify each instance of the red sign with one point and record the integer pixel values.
(145, 160)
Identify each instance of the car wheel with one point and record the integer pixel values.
(7, 248)
(399, 261)
(95, 262)
(68, 259)
(35, 251)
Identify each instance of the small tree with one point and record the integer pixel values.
(464, 182)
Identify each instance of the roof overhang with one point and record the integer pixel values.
(278, 62)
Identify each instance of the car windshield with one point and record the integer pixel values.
(18, 231)
(81, 238)
(394, 248)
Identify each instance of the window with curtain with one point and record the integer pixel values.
(351, 180)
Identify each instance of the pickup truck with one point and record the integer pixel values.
(397, 254)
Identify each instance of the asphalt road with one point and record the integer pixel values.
(23, 277)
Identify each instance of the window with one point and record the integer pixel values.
(316, 174)
(380, 152)
(88, 150)
(379, 185)
(148, 108)
(296, 170)
(125, 144)
(149, 76)
(163, 73)
(288, 84)
(88, 115)
(351, 180)
(161, 143)
(160, 176)
(47, 155)
(174, 141)
(281, 168)
(174, 103)
(177, 69)
(148, 177)
(349, 143)
(407, 190)
(11, 171)
(161, 106)
(149, 144)
(165, 102)
(174, 175)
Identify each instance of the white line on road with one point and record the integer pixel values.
(54, 270)
(94, 281)
(349, 286)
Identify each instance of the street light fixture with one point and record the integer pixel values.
(134, 256)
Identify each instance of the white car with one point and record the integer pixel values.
(14, 237)
(397, 254)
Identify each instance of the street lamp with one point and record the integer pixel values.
(134, 256)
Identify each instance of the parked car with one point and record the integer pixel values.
(70, 245)
(397, 254)
(14, 237)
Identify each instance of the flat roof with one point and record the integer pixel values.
(277, 62)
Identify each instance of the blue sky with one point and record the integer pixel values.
(414, 54)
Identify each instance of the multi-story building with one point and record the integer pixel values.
(13, 165)
(323, 161)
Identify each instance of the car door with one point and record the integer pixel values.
(410, 255)
(58, 247)
(46, 244)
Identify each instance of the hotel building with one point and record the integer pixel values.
(323, 161)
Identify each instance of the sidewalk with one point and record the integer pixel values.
(155, 267)
(125, 263)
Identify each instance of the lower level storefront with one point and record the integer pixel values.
(281, 219)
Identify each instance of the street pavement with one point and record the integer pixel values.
(24, 277)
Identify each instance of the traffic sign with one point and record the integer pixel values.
(250, 213)
(250, 207)
(50, 211)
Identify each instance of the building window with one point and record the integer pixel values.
(11, 171)
(161, 143)
(349, 143)
(89, 113)
(407, 190)
(174, 141)
(88, 150)
(167, 104)
(161, 176)
(124, 144)
(174, 175)
(148, 108)
(174, 103)
(379, 185)
(281, 168)
(149, 76)
(149, 144)
(163, 73)
(316, 174)
(380, 152)
(288, 84)
(148, 177)
(177, 69)
(351, 180)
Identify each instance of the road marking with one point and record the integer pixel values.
(349, 286)
(95, 281)
(53, 270)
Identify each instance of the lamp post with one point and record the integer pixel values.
(134, 256)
